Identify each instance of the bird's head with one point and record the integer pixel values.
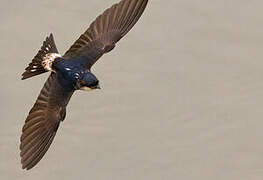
(87, 82)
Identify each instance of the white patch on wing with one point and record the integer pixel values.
(68, 69)
(48, 59)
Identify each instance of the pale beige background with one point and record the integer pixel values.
(181, 98)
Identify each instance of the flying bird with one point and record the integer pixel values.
(69, 73)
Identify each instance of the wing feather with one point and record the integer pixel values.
(42, 122)
(107, 29)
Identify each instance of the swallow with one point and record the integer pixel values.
(70, 72)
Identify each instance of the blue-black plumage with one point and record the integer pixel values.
(72, 74)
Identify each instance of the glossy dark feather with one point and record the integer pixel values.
(106, 30)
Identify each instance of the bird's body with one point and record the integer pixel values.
(69, 73)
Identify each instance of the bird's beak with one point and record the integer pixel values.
(97, 87)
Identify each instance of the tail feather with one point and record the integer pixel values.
(35, 67)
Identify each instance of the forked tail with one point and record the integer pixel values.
(36, 67)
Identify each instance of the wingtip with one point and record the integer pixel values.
(26, 168)
(23, 167)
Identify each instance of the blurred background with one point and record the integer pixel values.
(181, 98)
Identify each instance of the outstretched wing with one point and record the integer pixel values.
(106, 30)
(42, 122)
